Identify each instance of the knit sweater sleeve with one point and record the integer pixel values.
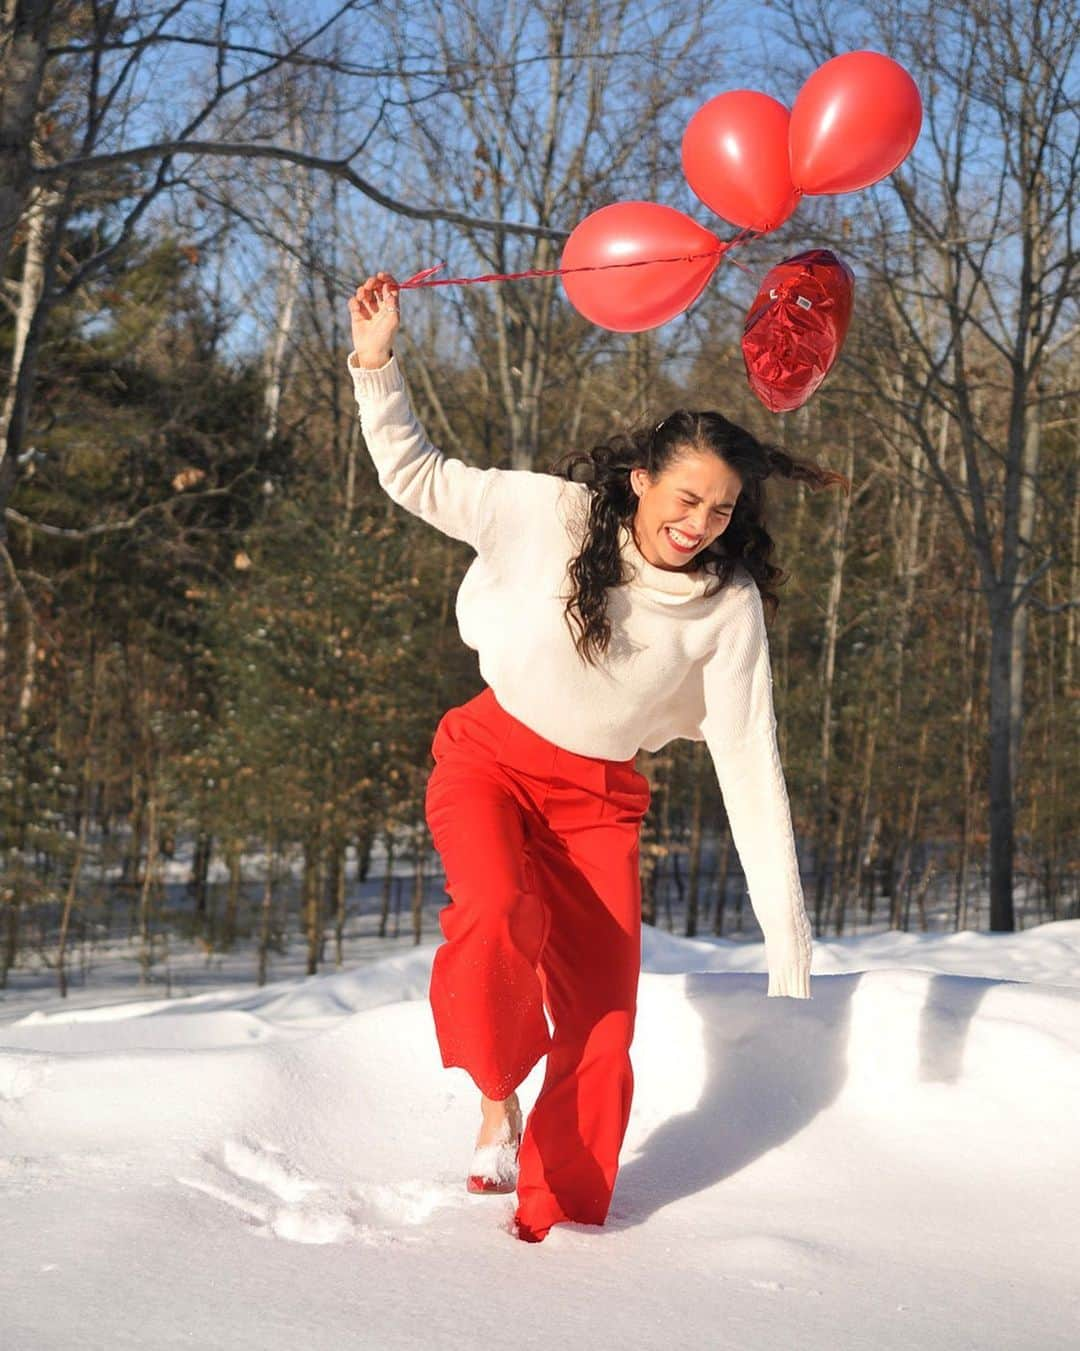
(739, 728)
(445, 492)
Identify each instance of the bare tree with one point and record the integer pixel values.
(572, 106)
(109, 64)
(973, 254)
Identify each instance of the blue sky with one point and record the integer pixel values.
(760, 53)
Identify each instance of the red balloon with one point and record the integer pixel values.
(631, 299)
(854, 120)
(735, 157)
(796, 327)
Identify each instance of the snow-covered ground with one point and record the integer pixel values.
(894, 1163)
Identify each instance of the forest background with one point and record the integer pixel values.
(224, 651)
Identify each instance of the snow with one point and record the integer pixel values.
(893, 1163)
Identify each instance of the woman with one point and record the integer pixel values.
(609, 615)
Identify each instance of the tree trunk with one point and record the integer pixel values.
(723, 871)
(901, 889)
(234, 863)
(311, 900)
(419, 878)
(865, 832)
(970, 747)
(1028, 495)
(13, 898)
(667, 849)
(290, 257)
(198, 885)
(1072, 613)
(838, 899)
(146, 892)
(338, 894)
(42, 202)
(23, 56)
(84, 818)
(364, 843)
(654, 843)
(388, 880)
(1002, 919)
(266, 910)
(838, 555)
(699, 761)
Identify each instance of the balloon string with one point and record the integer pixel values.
(426, 278)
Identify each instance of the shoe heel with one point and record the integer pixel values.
(493, 1170)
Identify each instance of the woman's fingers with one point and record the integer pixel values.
(386, 290)
(378, 295)
(365, 300)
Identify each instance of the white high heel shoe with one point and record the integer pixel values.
(494, 1167)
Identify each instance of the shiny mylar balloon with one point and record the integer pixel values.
(853, 122)
(796, 327)
(735, 157)
(631, 299)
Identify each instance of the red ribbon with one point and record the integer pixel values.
(423, 278)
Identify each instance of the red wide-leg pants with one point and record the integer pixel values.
(540, 850)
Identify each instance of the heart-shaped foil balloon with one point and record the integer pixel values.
(796, 327)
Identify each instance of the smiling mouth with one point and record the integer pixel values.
(682, 548)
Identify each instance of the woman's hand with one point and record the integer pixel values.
(375, 318)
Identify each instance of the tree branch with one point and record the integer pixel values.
(340, 168)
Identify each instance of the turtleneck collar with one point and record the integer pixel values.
(669, 586)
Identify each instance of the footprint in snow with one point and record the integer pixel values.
(21, 1074)
(279, 1200)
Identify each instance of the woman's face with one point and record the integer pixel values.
(681, 513)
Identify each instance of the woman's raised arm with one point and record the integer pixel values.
(444, 492)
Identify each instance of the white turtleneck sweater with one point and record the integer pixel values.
(680, 664)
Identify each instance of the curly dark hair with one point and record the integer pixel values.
(606, 471)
